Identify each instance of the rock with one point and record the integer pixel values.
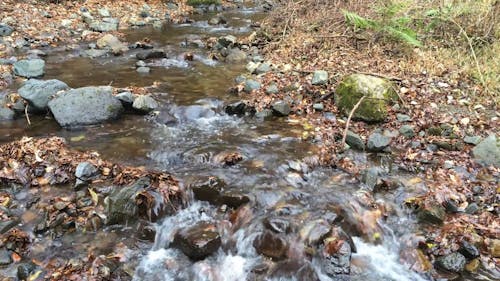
(24, 270)
(371, 177)
(454, 262)
(407, 131)
(472, 208)
(65, 23)
(121, 205)
(111, 42)
(263, 68)
(35, 53)
(403, 117)
(143, 70)
(127, 98)
(314, 232)
(5, 30)
(377, 142)
(278, 225)
(271, 245)
(379, 93)
(106, 25)
(472, 266)
(5, 258)
(238, 108)
(336, 258)
(140, 63)
(318, 107)
(495, 248)
(145, 104)
(84, 172)
(38, 92)
(281, 108)
(468, 250)
(164, 118)
(272, 89)
(252, 67)
(94, 53)
(217, 20)
(6, 225)
(251, 85)
(293, 270)
(432, 213)
(488, 151)
(236, 55)
(151, 54)
(264, 114)
(226, 41)
(233, 199)
(6, 114)
(355, 141)
(474, 140)
(85, 106)
(208, 189)
(198, 241)
(30, 68)
(320, 77)
(103, 12)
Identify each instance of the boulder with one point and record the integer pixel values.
(198, 241)
(144, 104)
(29, 68)
(263, 68)
(127, 98)
(5, 30)
(94, 53)
(320, 77)
(378, 94)
(454, 262)
(38, 92)
(487, 152)
(85, 106)
(272, 89)
(271, 245)
(111, 42)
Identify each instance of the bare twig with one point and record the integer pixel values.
(26, 114)
(344, 136)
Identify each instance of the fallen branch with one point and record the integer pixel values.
(344, 136)
(27, 115)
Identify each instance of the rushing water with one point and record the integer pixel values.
(271, 173)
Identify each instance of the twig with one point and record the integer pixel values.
(27, 115)
(344, 136)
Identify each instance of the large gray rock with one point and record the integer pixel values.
(85, 106)
(29, 68)
(5, 30)
(378, 94)
(38, 92)
(488, 151)
(113, 43)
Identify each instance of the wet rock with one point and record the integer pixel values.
(127, 98)
(24, 270)
(165, 118)
(5, 258)
(272, 89)
(454, 262)
(336, 258)
(111, 42)
(6, 114)
(468, 250)
(281, 108)
(208, 189)
(121, 203)
(85, 171)
(217, 20)
(314, 232)
(474, 140)
(239, 108)
(378, 92)
(145, 104)
(143, 70)
(371, 177)
(407, 131)
(432, 213)
(227, 41)
(251, 85)
(85, 106)
(236, 55)
(377, 142)
(320, 77)
(233, 199)
(5, 30)
(278, 225)
(151, 54)
(30, 68)
(271, 245)
(198, 241)
(403, 117)
(355, 141)
(488, 151)
(38, 92)
(6, 225)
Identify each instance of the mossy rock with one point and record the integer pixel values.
(379, 94)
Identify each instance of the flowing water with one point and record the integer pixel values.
(272, 173)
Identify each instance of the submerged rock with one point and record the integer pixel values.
(38, 92)
(233, 199)
(378, 94)
(30, 68)
(85, 106)
(454, 262)
(271, 245)
(488, 151)
(198, 241)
